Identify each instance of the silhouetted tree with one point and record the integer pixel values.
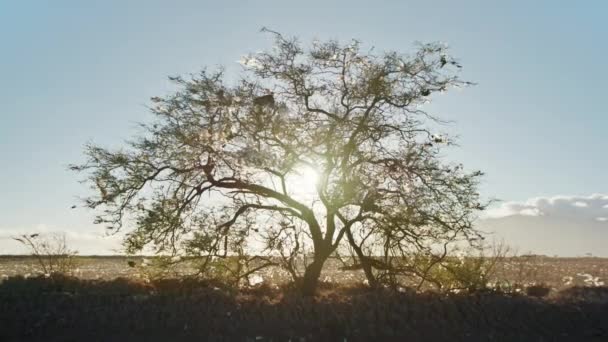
(215, 171)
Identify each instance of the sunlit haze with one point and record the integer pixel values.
(535, 121)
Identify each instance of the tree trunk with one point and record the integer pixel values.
(367, 269)
(365, 262)
(311, 276)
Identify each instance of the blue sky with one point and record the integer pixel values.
(76, 71)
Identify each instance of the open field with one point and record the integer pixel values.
(558, 273)
(107, 301)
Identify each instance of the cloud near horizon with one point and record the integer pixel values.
(557, 225)
(86, 241)
(583, 208)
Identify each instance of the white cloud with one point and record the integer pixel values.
(557, 225)
(575, 207)
(510, 209)
(529, 212)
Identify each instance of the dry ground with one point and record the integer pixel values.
(73, 309)
(558, 273)
(99, 305)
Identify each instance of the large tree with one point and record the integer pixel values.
(222, 164)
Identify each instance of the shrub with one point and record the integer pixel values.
(540, 290)
(470, 269)
(50, 251)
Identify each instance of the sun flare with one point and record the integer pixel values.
(302, 183)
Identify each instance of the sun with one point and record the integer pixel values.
(302, 183)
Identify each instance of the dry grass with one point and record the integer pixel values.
(61, 308)
(554, 272)
(108, 300)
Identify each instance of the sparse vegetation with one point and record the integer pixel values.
(51, 252)
(558, 273)
(111, 294)
(62, 308)
(468, 269)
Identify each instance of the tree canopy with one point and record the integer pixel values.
(220, 168)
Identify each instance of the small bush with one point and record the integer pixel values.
(471, 269)
(539, 291)
(50, 251)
